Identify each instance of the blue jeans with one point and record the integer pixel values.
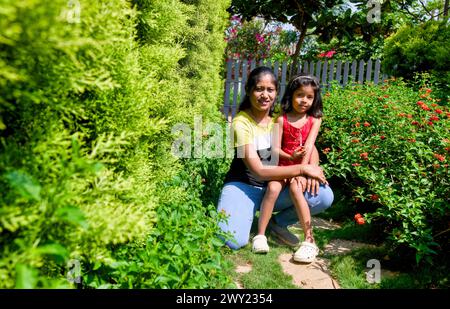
(240, 202)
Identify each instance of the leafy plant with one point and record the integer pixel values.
(390, 147)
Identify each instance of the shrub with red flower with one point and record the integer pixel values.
(394, 158)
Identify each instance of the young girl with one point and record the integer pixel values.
(298, 128)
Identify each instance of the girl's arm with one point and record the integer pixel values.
(277, 140)
(311, 140)
(268, 172)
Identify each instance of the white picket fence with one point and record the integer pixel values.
(326, 71)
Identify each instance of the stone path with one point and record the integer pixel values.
(315, 275)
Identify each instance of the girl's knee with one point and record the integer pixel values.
(274, 186)
(295, 189)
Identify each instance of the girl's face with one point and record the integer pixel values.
(302, 99)
(263, 94)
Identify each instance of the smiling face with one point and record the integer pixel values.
(263, 94)
(302, 99)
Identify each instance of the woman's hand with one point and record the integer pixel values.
(314, 171)
(299, 182)
(312, 185)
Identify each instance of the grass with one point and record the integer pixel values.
(266, 272)
(350, 269)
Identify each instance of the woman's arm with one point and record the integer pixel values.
(266, 172)
(312, 185)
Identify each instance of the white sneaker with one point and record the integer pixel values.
(260, 244)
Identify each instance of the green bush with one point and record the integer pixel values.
(390, 146)
(418, 49)
(89, 96)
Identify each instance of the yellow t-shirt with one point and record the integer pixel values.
(247, 131)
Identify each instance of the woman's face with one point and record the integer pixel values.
(263, 94)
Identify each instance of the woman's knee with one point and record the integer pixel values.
(321, 201)
(238, 243)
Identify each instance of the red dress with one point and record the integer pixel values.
(291, 138)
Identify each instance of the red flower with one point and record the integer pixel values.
(357, 124)
(374, 197)
(329, 54)
(438, 111)
(382, 137)
(415, 123)
(326, 150)
(439, 157)
(420, 103)
(366, 124)
(357, 216)
(360, 221)
(355, 140)
(364, 156)
(425, 107)
(434, 118)
(428, 90)
(356, 164)
(409, 116)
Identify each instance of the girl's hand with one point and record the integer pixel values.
(298, 153)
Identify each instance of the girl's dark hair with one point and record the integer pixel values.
(254, 77)
(297, 82)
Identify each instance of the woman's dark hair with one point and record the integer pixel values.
(254, 77)
(297, 82)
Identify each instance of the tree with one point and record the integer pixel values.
(303, 15)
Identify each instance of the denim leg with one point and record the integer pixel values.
(240, 202)
(317, 203)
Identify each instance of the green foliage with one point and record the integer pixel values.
(390, 147)
(89, 94)
(418, 49)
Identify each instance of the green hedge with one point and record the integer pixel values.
(90, 93)
(418, 49)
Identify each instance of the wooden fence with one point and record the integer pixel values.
(326, 71)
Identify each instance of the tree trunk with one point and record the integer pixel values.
(302, 28)
(446, 8)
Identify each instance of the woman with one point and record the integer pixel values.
(253, 165)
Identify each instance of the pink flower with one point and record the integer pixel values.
(259, 38)
(329, 54)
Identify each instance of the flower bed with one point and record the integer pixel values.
(391, 146)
